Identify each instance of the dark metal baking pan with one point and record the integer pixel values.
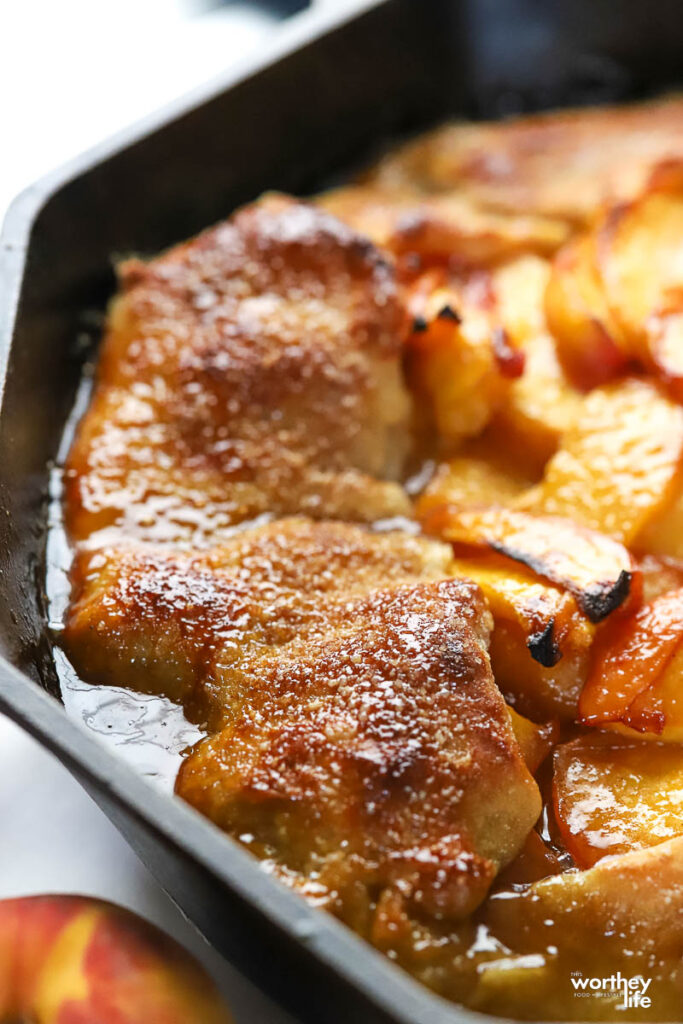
(320, 97)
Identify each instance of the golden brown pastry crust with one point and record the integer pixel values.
(442, 227)
(254, 369)
(191, 625)
(378, 758)
(562, 164)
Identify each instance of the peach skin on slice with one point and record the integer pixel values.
(612, 795)
(660, 708)
(629, 667)
(598, 571)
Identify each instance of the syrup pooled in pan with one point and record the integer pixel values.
(267, 378)
(151, 733)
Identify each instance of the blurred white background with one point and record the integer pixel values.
(73, 72)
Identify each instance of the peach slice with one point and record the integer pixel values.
(530, 400)
(613, 795)
(632, 670)
(619, 466)
(659, 709)
(639, 250)
(622, 915)
(541, 404)
(451, 363)
(537, 690)
(614, 295)
(589, 344)
(548, 616)
(478, 475)
(597, 570)
(541, 641)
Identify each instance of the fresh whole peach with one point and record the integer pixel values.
(73, 960)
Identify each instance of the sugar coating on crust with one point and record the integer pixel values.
(378, 758)
(255, 369)
(189, 624)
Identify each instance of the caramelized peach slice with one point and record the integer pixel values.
(622, 915)
(532, 402)
(541, 641)
(640, 253)
(539, 407)
(595, 569)
(538, 690)
(658, 710)
(613, 795)
(589, 343)
(477, 476)
(614, 296)
(518, 287)
(547, 615)
(541, 404)
(452, 366)
(619, 466)
(628, 678)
